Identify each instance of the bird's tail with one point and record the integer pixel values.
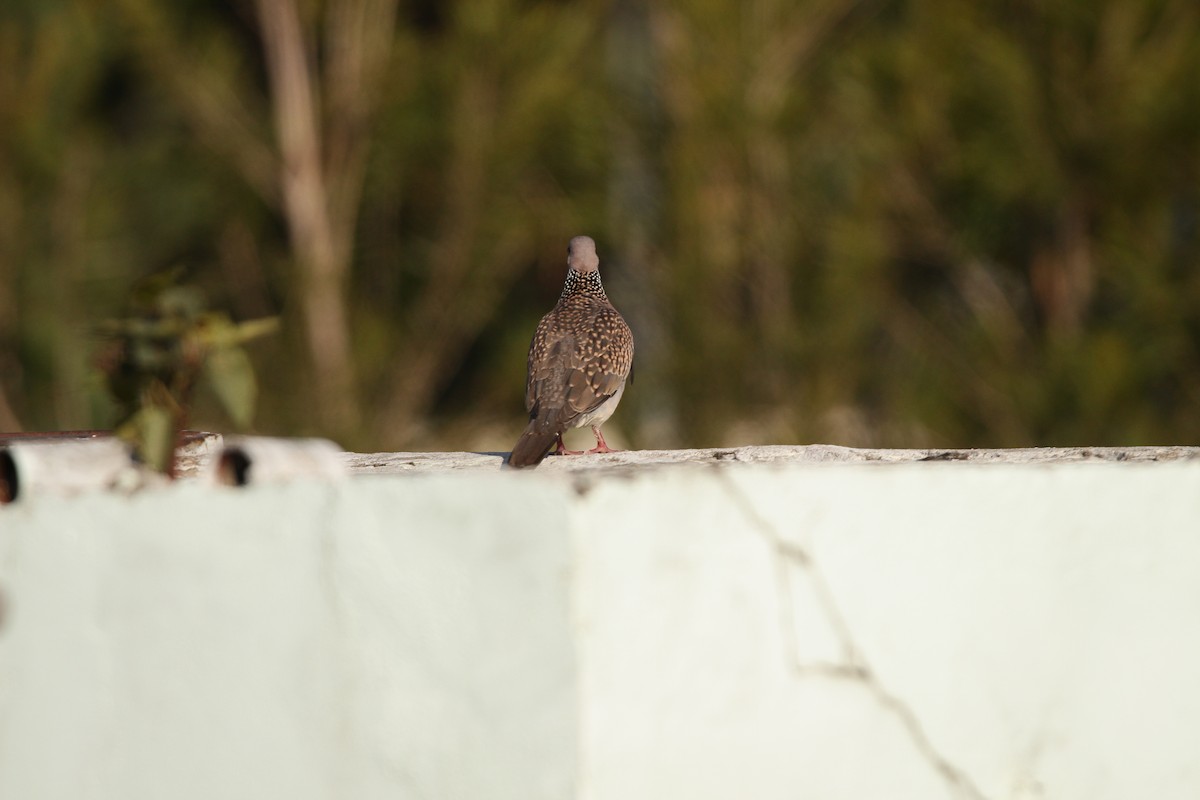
(531, 448)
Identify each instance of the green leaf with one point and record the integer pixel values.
(254, 328)
(217, 330)
(232, 378)
(151, 432)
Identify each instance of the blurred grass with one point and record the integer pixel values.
(907, 223)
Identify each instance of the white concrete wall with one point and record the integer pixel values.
(907, 631)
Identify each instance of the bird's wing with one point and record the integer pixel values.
(572, 371)
(551, 362)
(600, 363)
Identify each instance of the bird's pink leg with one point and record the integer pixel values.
(560, 449)
(601, 445)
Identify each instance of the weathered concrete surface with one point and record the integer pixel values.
(902, 632)
(378, 640)
(388, 463)
(767, 630)
(194, 454)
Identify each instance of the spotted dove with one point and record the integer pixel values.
(580, 356)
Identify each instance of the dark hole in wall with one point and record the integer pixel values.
(9, 485)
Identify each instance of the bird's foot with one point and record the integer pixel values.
(601, 445)
(560, 449)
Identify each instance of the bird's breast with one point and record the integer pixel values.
(599, 414)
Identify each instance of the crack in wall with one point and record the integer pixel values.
(853, 667)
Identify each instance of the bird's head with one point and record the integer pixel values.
(581, 255)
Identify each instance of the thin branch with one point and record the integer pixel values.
(360, 35)
(322, 263)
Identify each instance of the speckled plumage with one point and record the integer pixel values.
(579, 360)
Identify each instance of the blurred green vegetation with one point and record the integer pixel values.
(871, 222)
(152, 359)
